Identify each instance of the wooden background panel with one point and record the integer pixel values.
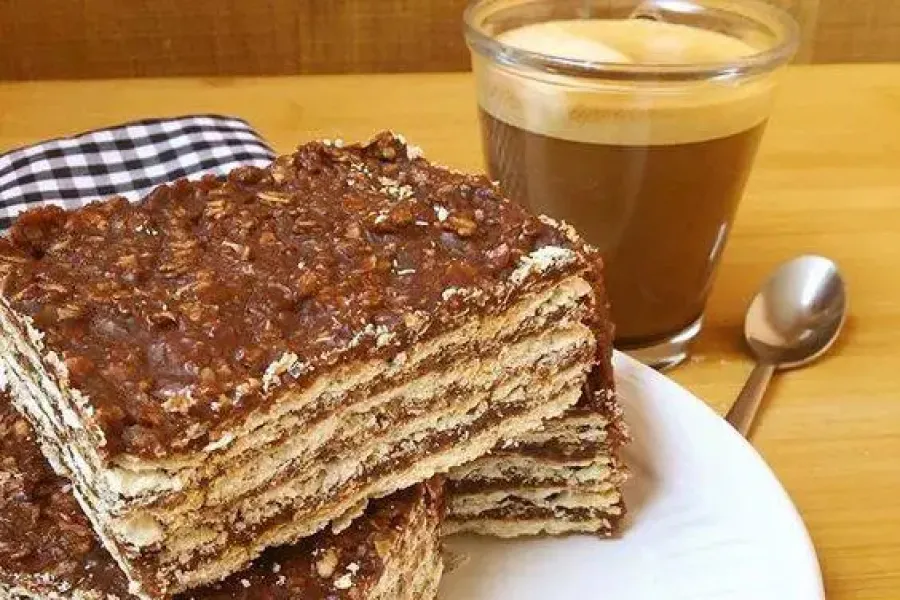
(42, 39)
(69, 39)
(857, 31)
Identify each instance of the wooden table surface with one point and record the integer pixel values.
(827, 181)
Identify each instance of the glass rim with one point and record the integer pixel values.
(787, 33)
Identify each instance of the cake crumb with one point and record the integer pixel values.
(344, 582)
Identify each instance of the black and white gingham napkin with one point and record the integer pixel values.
(127, 160)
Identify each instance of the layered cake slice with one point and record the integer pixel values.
(229, 365)
(567, 476)
(48, 549)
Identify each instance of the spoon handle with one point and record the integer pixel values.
(743, 412)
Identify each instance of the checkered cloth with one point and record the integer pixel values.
(128, 160)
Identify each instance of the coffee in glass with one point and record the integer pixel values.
(639, 131)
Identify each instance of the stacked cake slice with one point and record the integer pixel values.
(564, 477)
(228, 366)
(48, 549)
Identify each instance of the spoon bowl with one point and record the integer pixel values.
(794, 319)
(798, 313)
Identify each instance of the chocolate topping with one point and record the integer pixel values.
(177, 315)
(47, 544)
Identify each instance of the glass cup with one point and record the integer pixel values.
(638, 125)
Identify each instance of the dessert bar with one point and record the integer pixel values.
(48, 549)
(566, 476)
(231, 364)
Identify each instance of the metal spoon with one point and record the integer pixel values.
(793, 320)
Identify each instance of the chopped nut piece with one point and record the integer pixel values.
(306, 285)
(179, 403)
(207, 376)
(274, 197)
(327, 563)
(462, 226)
(21, 429)
(70, 311)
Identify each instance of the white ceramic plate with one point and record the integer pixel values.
(708, 520)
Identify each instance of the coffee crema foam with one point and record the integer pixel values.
(622, 112)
